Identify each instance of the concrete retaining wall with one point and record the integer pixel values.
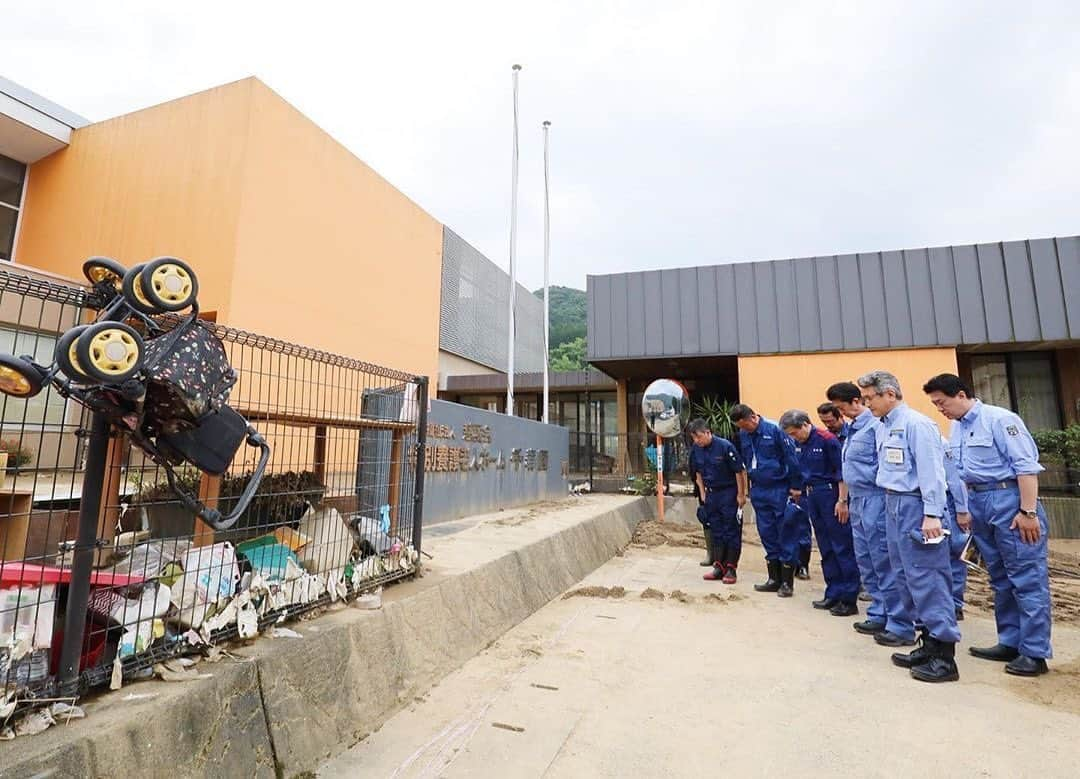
(297, 702)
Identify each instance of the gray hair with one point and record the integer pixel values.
(880, 382)
(794, 418)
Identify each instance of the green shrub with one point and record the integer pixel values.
(1061, 447)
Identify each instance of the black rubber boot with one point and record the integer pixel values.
(787, 581)
(803, 571)
(773, 584)
(921, 654)
(719, 566)
(941, 667)
(710, 550)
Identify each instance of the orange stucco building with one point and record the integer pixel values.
(291, 235)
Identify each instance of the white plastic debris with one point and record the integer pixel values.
(139, 696)
(117, 680)
(35, 722)
(247, 621)
(63, 712)
(284, 633)
(7, 708)
(370, 600)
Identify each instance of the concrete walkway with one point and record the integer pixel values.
(744, 685)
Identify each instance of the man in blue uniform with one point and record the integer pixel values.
(998, 461)
(820, 462)
(864, 502)
(911, 470)
(771, 464)
(721, 479)
(956, 502)
(833, 421)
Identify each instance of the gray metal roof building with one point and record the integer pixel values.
(1015, 292)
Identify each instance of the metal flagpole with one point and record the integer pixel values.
(511, 329)
(547, 268)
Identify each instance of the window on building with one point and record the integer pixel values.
(46, 408)
(12, 175)
(1025, 382)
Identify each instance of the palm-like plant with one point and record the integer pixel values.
(717, 412)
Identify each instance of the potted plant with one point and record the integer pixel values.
(18, 457)
(280, 499)
(165, 516)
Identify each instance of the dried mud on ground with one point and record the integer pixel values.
(652, 532)
(596, 592)
(1064, 568)
(1064, 589)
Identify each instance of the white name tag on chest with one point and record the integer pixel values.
(894, 455)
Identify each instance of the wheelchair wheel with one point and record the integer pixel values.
(169, 284)
(18, 377)
(104, 269)
(66, 357)
(109, 352)
(135, 293)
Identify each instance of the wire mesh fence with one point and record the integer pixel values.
(612, 460)
(336, 513)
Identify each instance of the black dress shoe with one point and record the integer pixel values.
(1026, 666)
(844, 609)
(868, 627)
(802, 572)
(825, 603)
(997, 652)
(865, 597)
(885, 638)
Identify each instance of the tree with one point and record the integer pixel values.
(567, 315)
(569, 356)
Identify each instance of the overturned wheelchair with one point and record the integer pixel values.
(166, 388)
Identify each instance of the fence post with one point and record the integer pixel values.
(83, 558)
(589, 443)
(421, 444)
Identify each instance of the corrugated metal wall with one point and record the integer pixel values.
(473, 311)
(1016, 291)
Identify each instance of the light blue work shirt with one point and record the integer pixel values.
(990, 443)
(953, 482)
(911, 457)
(860, 456)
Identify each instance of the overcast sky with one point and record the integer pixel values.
(683, 133)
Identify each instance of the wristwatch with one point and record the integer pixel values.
(841, 500)
(1033, 514)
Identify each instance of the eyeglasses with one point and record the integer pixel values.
(868, 398)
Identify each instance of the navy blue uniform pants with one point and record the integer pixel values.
(721, 512)
(769, 502)
(835, 544)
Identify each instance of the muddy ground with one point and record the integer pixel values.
(1064, 567)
